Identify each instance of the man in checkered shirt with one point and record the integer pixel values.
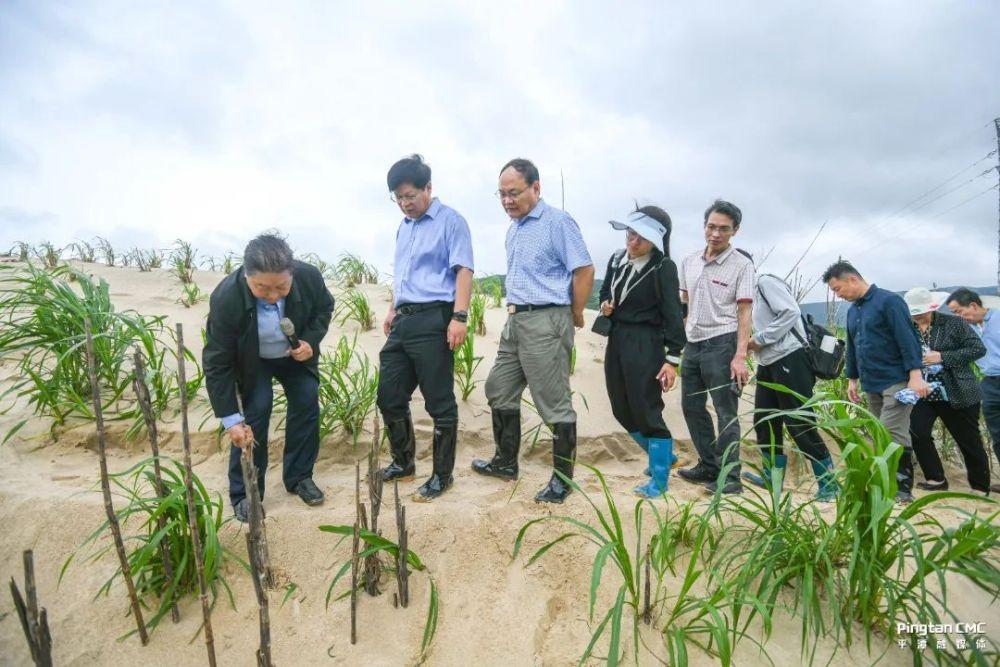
(549, 278)
(717, 283)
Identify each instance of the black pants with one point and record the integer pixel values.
(991, 410)
(301, 424)
(963, 424)
(792, 371)
(633, 358)
(416, 354)
(705, 371)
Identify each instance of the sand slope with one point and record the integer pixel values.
(493, 611)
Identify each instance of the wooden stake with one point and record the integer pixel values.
(255, 516)
(402, 572)
(354, 553)
(146, 407)
(199, 556)
(106, 488)
(373, 567)
(264, 652)
(34, 623)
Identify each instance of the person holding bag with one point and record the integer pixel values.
(641, 309)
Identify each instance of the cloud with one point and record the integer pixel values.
(214, 122)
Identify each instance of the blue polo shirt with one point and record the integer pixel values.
(989, 331)
(543, 249)
(882, 343)
(429, 251)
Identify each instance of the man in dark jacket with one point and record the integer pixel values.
(883, 353)
(245, 349)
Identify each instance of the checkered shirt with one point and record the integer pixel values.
(543, 249)
(713, 290)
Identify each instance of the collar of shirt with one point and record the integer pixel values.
(638, 262)
(987, 316)
(279, 304)
(535, 213)
(721, 257)
(870, 293)
(432, 212)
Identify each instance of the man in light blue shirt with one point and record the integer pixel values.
(431, 288)
(549, 278)
(968, 305)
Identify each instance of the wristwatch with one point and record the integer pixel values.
(460, 316)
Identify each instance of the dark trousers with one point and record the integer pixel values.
(991, 410)
(301, 424)
(633, 358)
(963, 424)
(793, 372)
(416, 354)
(705, 371)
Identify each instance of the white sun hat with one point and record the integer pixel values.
(919, 301)
(643, 225)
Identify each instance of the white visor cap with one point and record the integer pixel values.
(644, 226)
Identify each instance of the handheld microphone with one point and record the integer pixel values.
(288, 328)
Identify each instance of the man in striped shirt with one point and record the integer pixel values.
(549, 278)
(717, 283)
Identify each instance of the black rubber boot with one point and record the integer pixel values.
(563, 457)
(403, 446)
(507, 435)
(445, 437)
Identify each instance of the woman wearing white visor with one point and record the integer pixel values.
(640, 296)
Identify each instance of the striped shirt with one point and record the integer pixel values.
(713, 289)
(543, 249)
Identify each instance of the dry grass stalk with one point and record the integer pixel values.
(146, 407)
(260, 563)
(264, 652)
(109, 509)
(206, 609)
(34, 622)
(647, 609)
(402, 572)
(373, 566)
(354, 552)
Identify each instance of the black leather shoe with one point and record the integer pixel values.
(903, 497)
(728, 488)
(555, 492)
(494, 468)
(933, 486)
(308, 492)
(698, 474)
(432, 488)
(241, 510)
(395, 471)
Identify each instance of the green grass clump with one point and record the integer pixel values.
(354, 305)
(191, 295)
(145, 260)
(156, 523)
(49, 255)
(477, 312)
(106, 250)
(85, 252)
(183, 262)
(351, 270)
(327, 270)
(466, 363)
(42, 331)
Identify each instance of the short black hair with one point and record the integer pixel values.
(728, 209)
(662, 217)
(965, 297)
(411, 169)
(268, 253)
(526, 168)
(839, 270)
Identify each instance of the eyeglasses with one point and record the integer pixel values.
(407, 199)
(631, 234)
(514, 194)
(711, 229)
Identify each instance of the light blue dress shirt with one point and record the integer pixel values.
(543, 249)
(271, 340)
(989, 331)
(429, 252)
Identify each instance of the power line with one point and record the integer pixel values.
(963, 203)
(944, 183)
(986, 172)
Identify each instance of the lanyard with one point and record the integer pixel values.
(632, 281)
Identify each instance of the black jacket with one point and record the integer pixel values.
(654, 301)
(232, 352)
(959, 347)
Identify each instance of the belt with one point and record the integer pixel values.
(413, 308)
(528, 307)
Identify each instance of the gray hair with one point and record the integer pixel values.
(268, 253)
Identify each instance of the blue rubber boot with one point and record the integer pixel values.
(661, 457)
(826, 479)
(771, 472)
(644, 443)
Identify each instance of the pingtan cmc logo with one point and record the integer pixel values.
(962, 635)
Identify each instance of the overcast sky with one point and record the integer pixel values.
(144, 122)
